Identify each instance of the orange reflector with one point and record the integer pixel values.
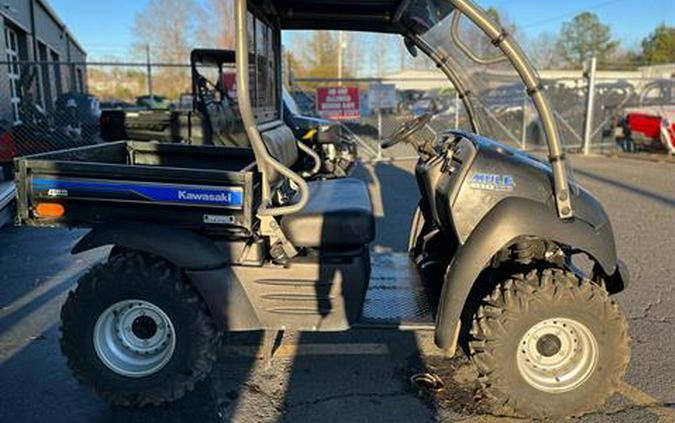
(49, 210)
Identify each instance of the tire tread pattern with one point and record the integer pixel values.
(159, 274)
(516, 296)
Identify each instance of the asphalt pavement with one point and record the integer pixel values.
(357, 376)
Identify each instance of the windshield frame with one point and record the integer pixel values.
(499, 37)
(505, 43)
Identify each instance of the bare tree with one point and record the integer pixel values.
(354, 54)
(544, 50)
(379, 52)
(217, 24)
(167, 27)
(320, 54)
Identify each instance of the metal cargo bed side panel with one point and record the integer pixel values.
(95, 193)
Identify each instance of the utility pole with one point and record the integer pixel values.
(590, 103)
(341, 46)
(402, 52)
(147, 58)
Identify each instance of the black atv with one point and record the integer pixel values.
(207, 239)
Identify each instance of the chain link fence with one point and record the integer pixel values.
(52, 105)
(505, 107)
(47, 106)
(43, 107)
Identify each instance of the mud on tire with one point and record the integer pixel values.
(138, 276)
(507, 318)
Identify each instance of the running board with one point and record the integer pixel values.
(396, 297)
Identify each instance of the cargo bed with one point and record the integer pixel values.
(210, 189)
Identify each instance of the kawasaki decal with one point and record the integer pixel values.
(231, 197)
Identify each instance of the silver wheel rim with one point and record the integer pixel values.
(557, 355)
(134, 338)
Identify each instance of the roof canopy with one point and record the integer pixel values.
(393, 16)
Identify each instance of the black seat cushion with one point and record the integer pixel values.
(339, 214)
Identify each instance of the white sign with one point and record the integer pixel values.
(382, 96)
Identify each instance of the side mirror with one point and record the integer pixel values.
(410, 46)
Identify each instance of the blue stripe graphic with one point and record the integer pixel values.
(170, 193)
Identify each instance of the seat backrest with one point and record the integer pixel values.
(221, 124)
(282, 145)
(215, 111)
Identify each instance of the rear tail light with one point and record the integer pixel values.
(49, 210)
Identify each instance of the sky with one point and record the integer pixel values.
(105, 28)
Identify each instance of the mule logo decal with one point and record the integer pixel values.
(492, 182)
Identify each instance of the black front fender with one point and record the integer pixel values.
(185, 249)
(510, 219)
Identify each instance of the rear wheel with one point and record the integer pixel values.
(549, 345)
(136, 333)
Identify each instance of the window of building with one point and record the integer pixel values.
(45, 77)
(58, 81)
(80, 80)
(36, 72)
(13, 71)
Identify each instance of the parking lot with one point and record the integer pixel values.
(355, 376)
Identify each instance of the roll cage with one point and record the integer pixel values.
(409, 18)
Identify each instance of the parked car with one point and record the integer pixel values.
(153, 102)
(117, 105)
(423, 106)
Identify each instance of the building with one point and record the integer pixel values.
(39, 59)
(639, 78)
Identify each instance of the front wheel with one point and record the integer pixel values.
(548, 344)
(136, 333)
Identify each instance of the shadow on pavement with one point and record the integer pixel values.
(668, 201)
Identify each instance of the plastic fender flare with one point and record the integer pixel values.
(207, 268)
(183, 248)
(509, 220)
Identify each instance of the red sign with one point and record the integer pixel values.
(230, 83)
(338, 102)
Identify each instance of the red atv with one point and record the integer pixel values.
(651, 125)
(650, 128)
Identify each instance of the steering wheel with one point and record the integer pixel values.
(406, 130)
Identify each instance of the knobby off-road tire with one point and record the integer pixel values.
(514, 320)
(137, 288)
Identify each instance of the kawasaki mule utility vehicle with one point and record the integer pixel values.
(213, 239)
